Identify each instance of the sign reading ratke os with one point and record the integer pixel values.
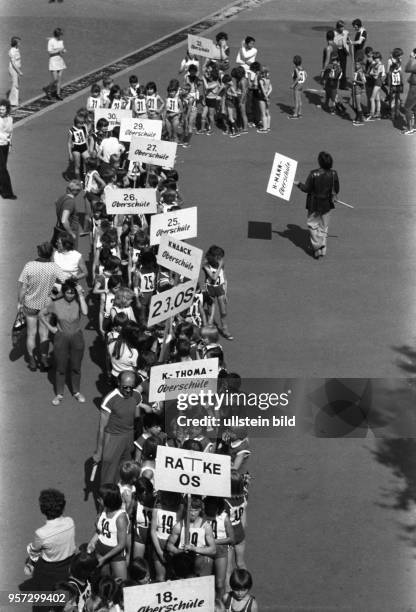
(177, 224)
(130, 201)
(192, 472)
(170, 303)
(143, 128)
(180, 257)
(158, 152)
(282, 176)
(197, 45)
(190, 594)
(169, 380)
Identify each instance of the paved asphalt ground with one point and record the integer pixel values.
(323, 530)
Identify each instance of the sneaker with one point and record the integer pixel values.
(79, 397)
(332, 112)
(244, 132)
(378, 117)
(251, 124)
(370, 118)
(408, 132)
(47, 93)
(185, 145)
(208, 133)
(261, 131)
(33, 366)
(234, 135)
(201, 131)
(355, 122)
(57, 399)
(293, 116)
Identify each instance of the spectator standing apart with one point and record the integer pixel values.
(410, 103)
(56, 50)
(66, 213)
(360, 38)
(6, 129)
(34, 289)
(298, 78)
(52, 549)
(115, 439)
(68, 341)
(321, 185)
(15, 65)
(330, 51)
(341, 39)
(247, 54)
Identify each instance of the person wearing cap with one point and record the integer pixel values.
(34, 288)
(67, 214)
(341, 39)
(15, 65)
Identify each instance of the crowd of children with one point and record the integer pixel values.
(139, 534)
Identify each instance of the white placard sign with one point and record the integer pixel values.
(158, 152)
(170, 303)
(113, 115)
(192, 472)
(143, 128)
(180, 257)
(190, 594)
(197, 45)
(177, 224)
(130, 201)
(282, 176)
(169, 380)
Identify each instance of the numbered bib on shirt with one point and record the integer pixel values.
(395, 78)
(147, 282)
(172, 105)
(301, 76)
(140, 106)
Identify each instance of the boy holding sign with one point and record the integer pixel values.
(321, 186)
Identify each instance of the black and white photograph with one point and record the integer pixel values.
(208, 390)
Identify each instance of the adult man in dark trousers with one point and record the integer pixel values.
(67, 214)
(115, 439)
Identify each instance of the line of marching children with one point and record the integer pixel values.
(139, 534)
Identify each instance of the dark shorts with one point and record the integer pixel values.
(215, 290)
(331, 93)
(211, 102)
(79, 148)
(221, 551)
(239, 533)
(103, 549)
(141, 535)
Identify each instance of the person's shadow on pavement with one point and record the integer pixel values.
(298, 236)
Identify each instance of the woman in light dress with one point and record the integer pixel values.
(56, 50)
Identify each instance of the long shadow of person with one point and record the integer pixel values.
(314, 98)
(285, 108)
(298, 236)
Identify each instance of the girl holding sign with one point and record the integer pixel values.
(201, 539)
